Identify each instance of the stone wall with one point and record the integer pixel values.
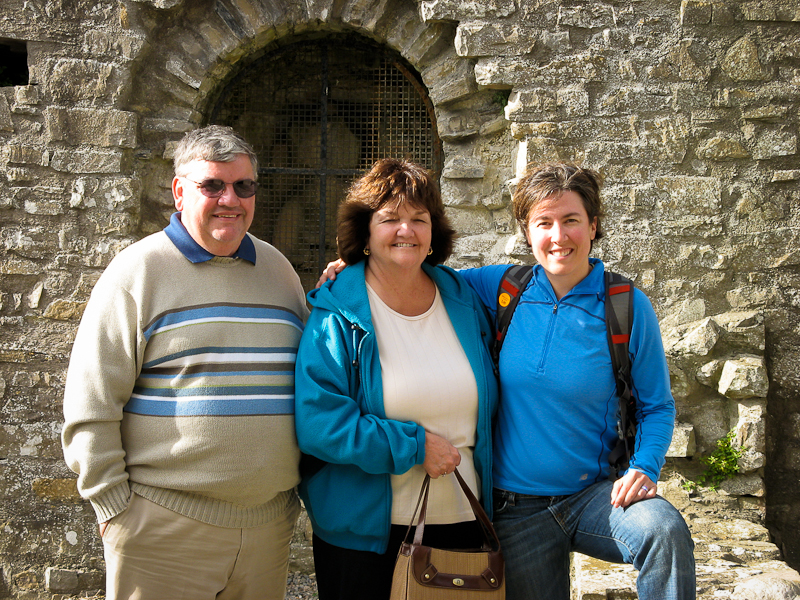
(689, 108)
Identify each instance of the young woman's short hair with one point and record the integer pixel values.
(545, 183)
(393, 182)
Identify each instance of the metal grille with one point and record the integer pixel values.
(318, 115)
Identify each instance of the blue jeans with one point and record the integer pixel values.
(537, 534)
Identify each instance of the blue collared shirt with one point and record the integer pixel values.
(194, 252)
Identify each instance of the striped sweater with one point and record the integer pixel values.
(180, 386)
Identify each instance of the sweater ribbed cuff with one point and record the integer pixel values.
(112, 502)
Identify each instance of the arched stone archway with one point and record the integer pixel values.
(202, 46)
(319, 112)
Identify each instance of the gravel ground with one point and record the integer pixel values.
(301, 587)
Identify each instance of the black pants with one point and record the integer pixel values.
(344, 574)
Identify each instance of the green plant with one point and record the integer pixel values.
(500, 97)
(722, 464)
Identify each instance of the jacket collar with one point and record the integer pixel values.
(194, 252)
(593, 283)
(347, 295)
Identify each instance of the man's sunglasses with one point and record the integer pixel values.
(214, 188)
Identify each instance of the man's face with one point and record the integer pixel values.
(217, 224)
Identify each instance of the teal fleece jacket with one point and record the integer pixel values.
(340, 417)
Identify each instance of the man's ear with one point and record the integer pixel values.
(177, 192)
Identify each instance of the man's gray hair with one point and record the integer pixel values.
(214, 143)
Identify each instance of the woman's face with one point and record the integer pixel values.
(560, 234)
(399, 237)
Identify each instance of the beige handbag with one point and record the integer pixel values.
(425, 573)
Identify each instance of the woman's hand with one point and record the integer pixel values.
(632, 487)
(103, 527)
(441, 457)
(331, 271)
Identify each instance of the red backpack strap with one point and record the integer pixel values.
(509, 290)
(619, 323)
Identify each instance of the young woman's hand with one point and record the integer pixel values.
(632, 487)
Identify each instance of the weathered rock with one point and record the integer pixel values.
(744, 377)
(683, 443)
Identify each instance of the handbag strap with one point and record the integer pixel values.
(489, 535)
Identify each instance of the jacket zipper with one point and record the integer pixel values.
(549, 337)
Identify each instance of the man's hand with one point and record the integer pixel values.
(331, 271)
(632, 487)
(103, 528)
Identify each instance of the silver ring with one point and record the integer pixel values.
(645, 488)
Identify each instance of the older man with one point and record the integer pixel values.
(180, 393)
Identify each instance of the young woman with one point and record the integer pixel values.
(558, 413)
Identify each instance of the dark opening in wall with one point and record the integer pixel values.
(13, 63)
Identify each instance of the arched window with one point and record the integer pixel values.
(319, 113)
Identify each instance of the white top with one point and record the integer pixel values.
(427, 379)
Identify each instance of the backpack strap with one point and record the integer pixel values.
(619, 322)
(511, 286)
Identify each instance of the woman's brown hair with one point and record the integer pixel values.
(393, 182)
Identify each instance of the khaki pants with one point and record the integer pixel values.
(153, 553)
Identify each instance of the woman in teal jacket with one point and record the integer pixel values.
(393, 380)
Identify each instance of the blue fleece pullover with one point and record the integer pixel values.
(340, 417)
(558, 412)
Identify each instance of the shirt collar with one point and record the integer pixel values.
(194, 252)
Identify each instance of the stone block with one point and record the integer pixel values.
(458, 10)
(457, 125)
(463, 167)
(178, 67)
(698, 340)
(56, 490)
(95, 127)
(65, 310)
(741, 62)
(537, 104)
(709, 373)
(769, 112)
(785, 175)
(26, 94)
(770, 142)
(87, 161)
(686, 61)
(5, 115)
(744, 377)
(449, 79)
(97, 80)
(700, 196)
(722, 148)
(751, 461)
(696, 12)
(583, 67)
(60, 580)
(769, 586)
(27, 155)
(682, 444)
(573, 101)
(744, 485)
(488, 39)
(589, 15)
(160, 3)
